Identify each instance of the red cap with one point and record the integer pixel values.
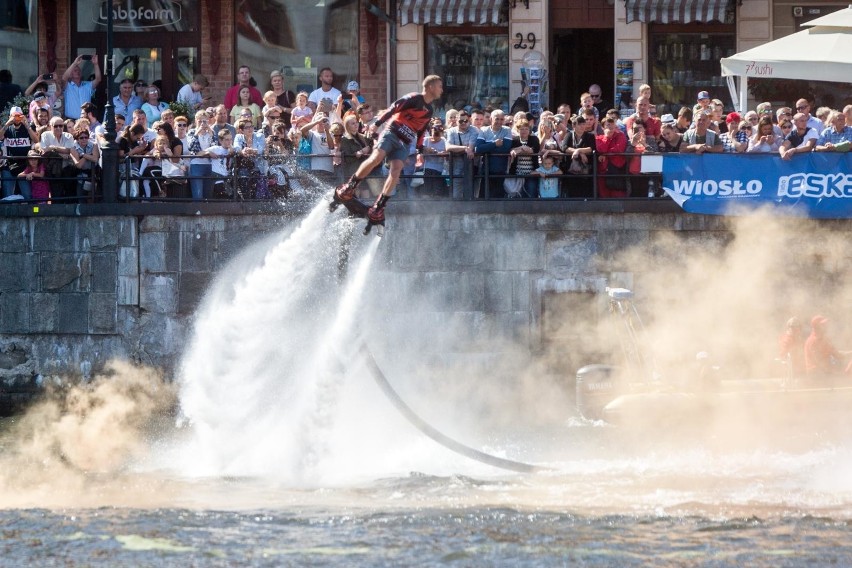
(732, 116)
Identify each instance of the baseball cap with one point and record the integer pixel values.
(703, 95)
(15, 110)
(733, 116)
(352, 86)
(39, 96)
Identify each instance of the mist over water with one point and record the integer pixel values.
(276, 408)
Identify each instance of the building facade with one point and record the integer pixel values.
(487, 51)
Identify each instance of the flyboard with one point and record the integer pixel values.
(432, 432)
(358, 208)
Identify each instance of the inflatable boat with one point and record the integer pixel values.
(633, 394)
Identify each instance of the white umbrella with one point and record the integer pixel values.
(823, 52)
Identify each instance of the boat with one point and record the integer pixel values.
(635, 395)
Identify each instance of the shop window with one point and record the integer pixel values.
(299, 38)
(684, 60)
(19, 40)
(474, 67)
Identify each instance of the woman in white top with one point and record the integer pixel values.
(764, 139)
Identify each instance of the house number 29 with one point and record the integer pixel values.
(522, 44)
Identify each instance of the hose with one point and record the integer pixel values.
(433, 433)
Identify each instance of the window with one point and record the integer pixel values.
(19, 41)
(294, 35)
(474, 67)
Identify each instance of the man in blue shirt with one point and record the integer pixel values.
(496, 141)
(78, 91)
(125, 102)
(835, 134)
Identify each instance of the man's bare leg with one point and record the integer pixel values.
(376, 213)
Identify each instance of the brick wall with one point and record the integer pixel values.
(374, 86)
(221, 81)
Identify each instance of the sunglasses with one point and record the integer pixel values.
(803, 107)
(786, 126)
(595, 96)
(463, 121)
(180, 125)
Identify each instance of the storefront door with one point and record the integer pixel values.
(582, 57)
(173, 65)
(152, 41)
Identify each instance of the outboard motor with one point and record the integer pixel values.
(597, 386)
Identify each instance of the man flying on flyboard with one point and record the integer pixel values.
(409, 117)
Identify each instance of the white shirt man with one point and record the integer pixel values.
(326, 92)
(57, 140)
(804, 107)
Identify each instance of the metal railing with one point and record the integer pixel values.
(142, 178)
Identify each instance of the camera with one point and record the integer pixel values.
(325, 121)
(47, 77)
(276, 138)
(86, 57)
(347, 96)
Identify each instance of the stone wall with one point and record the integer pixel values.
(76, 291)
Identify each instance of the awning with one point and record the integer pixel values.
(676, 11)
(442, 12)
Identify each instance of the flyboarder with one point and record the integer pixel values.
(409, 117)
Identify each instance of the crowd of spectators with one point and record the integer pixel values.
(261, 145)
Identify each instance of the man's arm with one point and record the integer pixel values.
(482, 146)
(67, 75)
(98, 76)
(32, 132)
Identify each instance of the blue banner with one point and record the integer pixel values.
(817, 184)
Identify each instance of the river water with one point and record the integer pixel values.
(285, 452)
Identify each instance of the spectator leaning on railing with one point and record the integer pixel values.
(434, 160)
(461, 142)
(700, 138)
(734, 139)
(764, 139)
(803, 138)
(837, 137)
(57, 141)
(496, 142)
